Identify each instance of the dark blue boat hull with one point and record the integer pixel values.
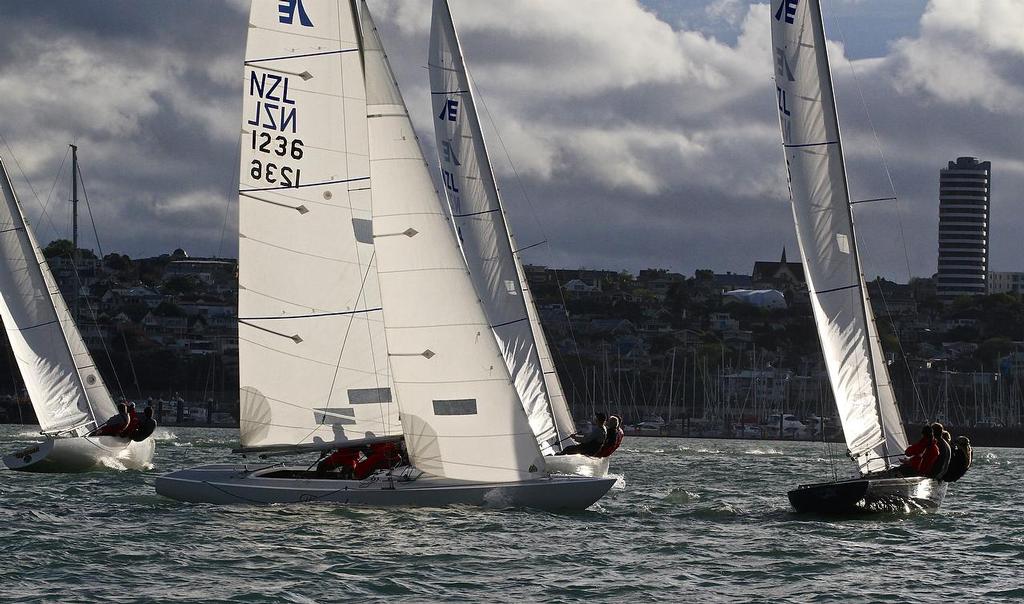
(869, 494)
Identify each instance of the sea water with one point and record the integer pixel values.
(692, 520)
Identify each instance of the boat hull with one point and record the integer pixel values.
(234, 484)
(869, 494)
(82, 454)
(582, 465)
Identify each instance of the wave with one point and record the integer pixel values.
(163, 434)
(767, 451)
(680, 496)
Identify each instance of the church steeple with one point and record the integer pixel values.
(783, 261)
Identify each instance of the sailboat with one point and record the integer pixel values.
(358, 323)
(66, 389)
(821, 204)
(475, 206)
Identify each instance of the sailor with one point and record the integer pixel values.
(343, 460)
(938, 469)
(133, 422)
(591, 442)
(920, 455)
(146, 426)
(114, 425)
(960, 460)
(379, 456)
(614, 438)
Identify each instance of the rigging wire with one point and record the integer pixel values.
(544, 235)
(918, 404)
(88, 303)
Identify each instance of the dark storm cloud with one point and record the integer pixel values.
(643, 139)
(149, 91)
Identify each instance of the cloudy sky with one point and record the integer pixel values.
(643, 132)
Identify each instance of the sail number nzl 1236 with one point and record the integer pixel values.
(272, 138)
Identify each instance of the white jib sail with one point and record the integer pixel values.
(312, 355)
(825, 231)
(476, 209)
(461, 415)
(66, 389)
(559, 405)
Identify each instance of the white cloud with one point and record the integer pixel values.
(966, 54)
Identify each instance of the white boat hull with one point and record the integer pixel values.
(581, 465)
(81, 454)
(235, 484)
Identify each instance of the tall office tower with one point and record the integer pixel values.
(964, 194)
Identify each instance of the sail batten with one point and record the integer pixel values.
(825, 232)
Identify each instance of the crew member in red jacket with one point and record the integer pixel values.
(379, 456)
(133, 422)
(920, 455)
(614, 438)
(342, 460)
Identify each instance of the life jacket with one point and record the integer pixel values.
(133, 424)
(959, 463)
(346, 458)
(147, 425)
(381, 457)
(916, 454)
(113, 426)
(610, 447)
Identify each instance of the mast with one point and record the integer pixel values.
(74, 233)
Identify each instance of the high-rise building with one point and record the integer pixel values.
(964, 195)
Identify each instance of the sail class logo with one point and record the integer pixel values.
(287, 10)
(787, 7)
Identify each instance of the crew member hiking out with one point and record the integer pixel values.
(591, 442)
(960, 460)
(116, 424)
(147, 425)
(938, 469)
(133, 422)
(614, 438)
(920, 455)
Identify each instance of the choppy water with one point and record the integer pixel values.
(700, 520)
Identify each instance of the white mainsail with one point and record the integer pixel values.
(825, 232)
(312, 354)
(461, 416)
(60, 375)
(476, 210)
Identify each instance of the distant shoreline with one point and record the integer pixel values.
(1007, 438)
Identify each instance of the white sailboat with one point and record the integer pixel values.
(498, 277)
(842, 311)
(66, 389)
(357, 319)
